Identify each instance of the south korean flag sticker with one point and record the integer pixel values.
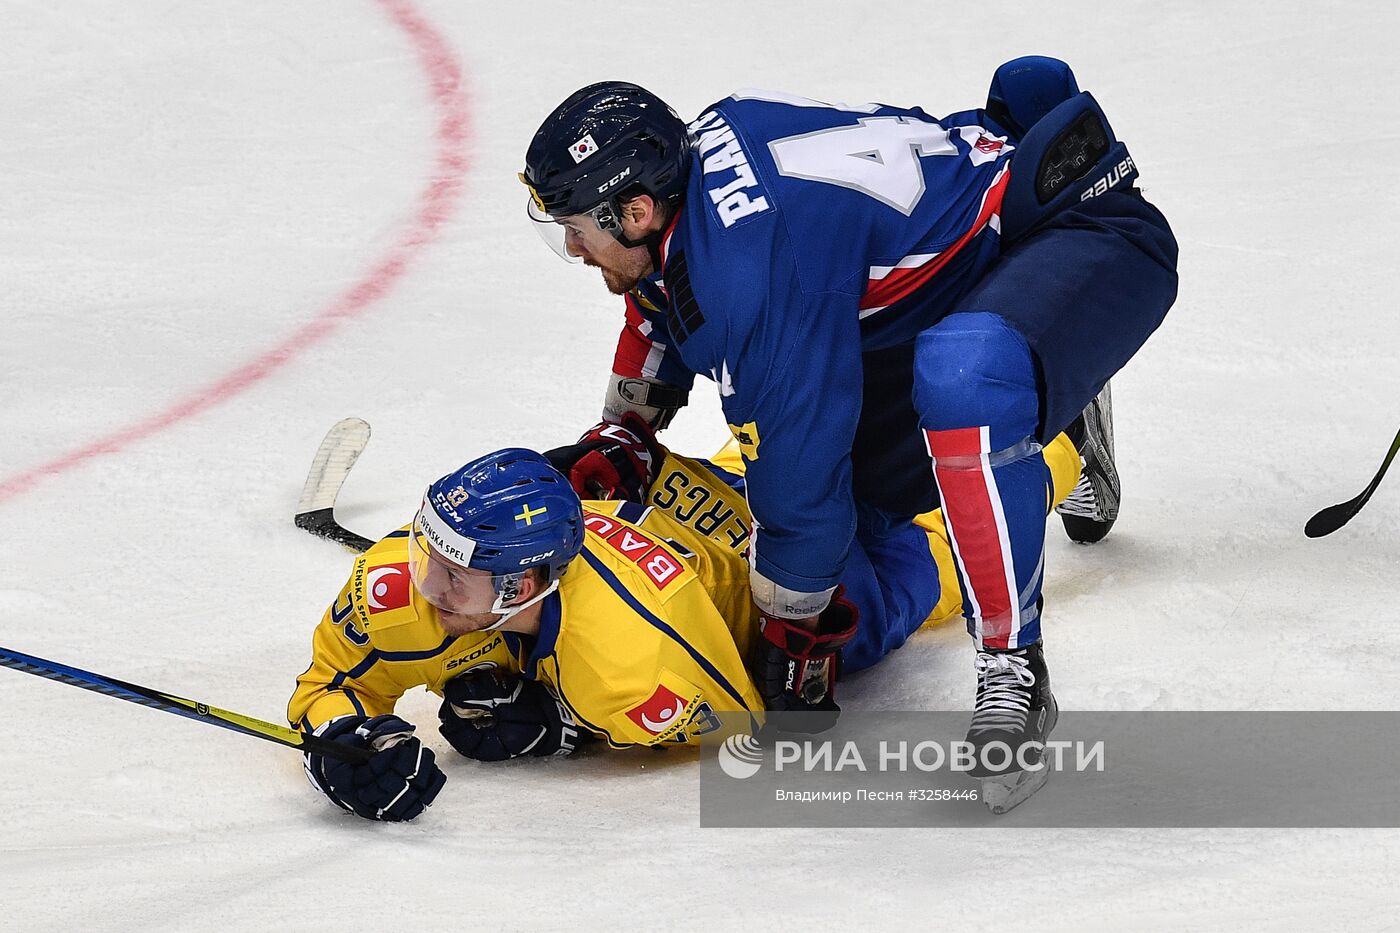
(583, 148)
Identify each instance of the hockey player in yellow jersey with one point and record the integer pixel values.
(545, 621)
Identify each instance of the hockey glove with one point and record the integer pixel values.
(493, 716)
(398, 783)
(612, 461)
(797, 667)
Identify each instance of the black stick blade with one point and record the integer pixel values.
(1335, 516)
(339, 450)
(322, 524)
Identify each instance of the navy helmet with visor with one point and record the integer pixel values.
(605, 140)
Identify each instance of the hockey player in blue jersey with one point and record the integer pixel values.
(897, 311)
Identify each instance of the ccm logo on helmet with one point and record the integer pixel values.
(536, 559)
(615, 179)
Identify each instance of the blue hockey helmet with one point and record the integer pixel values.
(605, 140)
(500, 515)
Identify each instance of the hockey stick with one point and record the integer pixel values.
(190, 709)
(1335, 516)
(339, 450)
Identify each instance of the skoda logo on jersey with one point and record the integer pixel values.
(740, 756)
(584, 148)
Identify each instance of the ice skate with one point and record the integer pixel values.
(1091, 509)
(1014, 707)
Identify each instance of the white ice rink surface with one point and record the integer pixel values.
(224, 226)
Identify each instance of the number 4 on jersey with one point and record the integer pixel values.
(878, 156)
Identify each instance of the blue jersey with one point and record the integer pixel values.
(810, 234)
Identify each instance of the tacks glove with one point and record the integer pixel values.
(797, 667)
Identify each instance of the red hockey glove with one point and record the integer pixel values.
(798, 666)
(612, 461)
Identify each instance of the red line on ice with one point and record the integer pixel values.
(436, 204)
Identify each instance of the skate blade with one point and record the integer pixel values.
(1004, 792)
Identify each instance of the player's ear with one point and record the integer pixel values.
(639, 213)
(530, 584)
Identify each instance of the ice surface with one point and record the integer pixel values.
(187, 185)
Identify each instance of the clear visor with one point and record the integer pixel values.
(573, 237)
(453, 588)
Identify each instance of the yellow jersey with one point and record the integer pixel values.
(644, 641)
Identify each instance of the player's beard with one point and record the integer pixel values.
(630, 267)
(465, 623)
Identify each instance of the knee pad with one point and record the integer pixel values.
(973, 369)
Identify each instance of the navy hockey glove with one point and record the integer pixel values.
(398, 783)
(612, 461)
(797, 667)
(493, 716)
